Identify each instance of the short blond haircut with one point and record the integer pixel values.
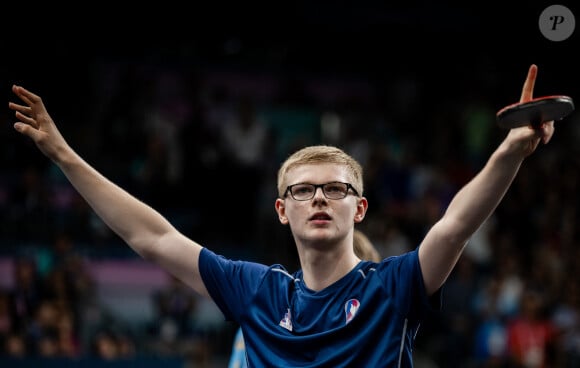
(364, 248)
(321, 154)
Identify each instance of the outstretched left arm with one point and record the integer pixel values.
(476, 201)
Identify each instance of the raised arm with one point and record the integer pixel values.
(140, 226)
(476, 201)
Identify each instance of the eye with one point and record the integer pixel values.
(302, 189)
(335, 188)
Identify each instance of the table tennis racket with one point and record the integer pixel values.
(535, 111)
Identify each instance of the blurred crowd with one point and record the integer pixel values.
(202, 145)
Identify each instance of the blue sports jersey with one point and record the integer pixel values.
(368, 318)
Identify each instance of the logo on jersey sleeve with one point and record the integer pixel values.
(350, 309)
(286, 322)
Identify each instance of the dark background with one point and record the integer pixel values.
(437, 41)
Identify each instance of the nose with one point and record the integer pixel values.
(319, 194)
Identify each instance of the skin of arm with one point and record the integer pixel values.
(476, 201)
(144, 229)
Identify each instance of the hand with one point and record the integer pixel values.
(36, 123)
(527, 138)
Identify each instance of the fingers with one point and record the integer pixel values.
(528, 89)
(26, 130)
(23, 113)
(542, 132)
(27, 114)
(26, 119)
(26, 96)
(547, 131)
(26, 110)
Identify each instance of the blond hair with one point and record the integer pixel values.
(364, 248)
(321, 154)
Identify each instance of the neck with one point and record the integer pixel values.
(323, 268)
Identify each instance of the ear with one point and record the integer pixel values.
(281, 210)
(361, 210)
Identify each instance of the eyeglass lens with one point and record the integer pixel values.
(331, 190)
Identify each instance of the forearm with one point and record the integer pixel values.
(135, 222)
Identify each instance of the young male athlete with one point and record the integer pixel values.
(336, 311)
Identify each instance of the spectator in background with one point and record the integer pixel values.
(364, 248)
(27, 293)
(112, 342)
(490, 333)
(15, 346)
(531, 335)
(245, 141)
(6, 314)
(566, 320)
(173, 331)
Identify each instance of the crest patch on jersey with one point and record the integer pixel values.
(286, 322)
(350, 309)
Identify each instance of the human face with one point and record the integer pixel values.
(320, 218)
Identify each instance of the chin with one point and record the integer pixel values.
(322, 236)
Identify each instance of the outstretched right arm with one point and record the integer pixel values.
(144, 229)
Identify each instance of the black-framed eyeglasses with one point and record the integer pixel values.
(306, 191)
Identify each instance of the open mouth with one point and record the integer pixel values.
(320, 216)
